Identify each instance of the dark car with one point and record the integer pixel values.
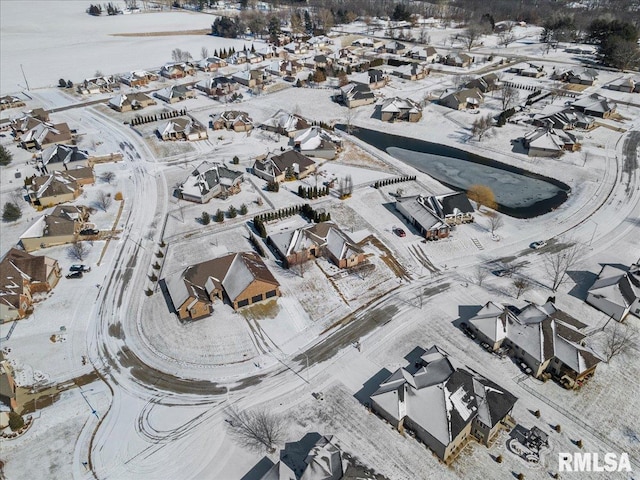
(75, 275)
(502, 272)
(400, 232)
(79, 268)
(89, 231)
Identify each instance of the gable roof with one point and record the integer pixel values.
(206, 177)
(398, 105)
(277, 164)
(17, 266)
(64, 154)
(323, 234)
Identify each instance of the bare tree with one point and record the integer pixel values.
(179, 55)
(103, 200)
(481, 126)
(480, 274)
(108, 176)
(471, 36)
(78, 251)
(326, 18)
(256, 429)
(495, 222)
(510, 95)
(557, 265)
(349, 121)
(618, 340)
(521, 285)
(505, 38)
(204, 53)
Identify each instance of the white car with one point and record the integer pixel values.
(538, 245)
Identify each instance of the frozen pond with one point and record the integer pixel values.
(518, 192)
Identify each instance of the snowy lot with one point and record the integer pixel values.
(161, 406)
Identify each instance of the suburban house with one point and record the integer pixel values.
(323, 462)
(284, 67)
(285, 123)
(462, 99)
(355, 94)
(530, 70)
(177, 70)
(396, 108)
(368, 42)
(583, 76)
(427, 54)
(412, 71)
(58, 187)
(125, 102)
(626, 84)
(7, 385)
(319, 41)
(29, 120)
(218, 87)
(296, 48)
(97, 85)
(420, 213)
(138, 78)
(244, 56)
(61, 226)
(175, 93)
(458, 59)
(546, 142)
(232, 120)
(444, 403)
(43, 134)
(595, 105)
(377, 79)
(239, 278)
(209, 180)
(57, 156)
(548, 341)
(562, 117)
(316, 61)
(287, 165)
(21, 276)
(616, 291)
(183, 128)
(486, 83)
(317, 142)
(313, 241)
(250, 78)
(9, 101)
(394, 47)
(211, 64)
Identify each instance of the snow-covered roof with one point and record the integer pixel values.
(315, 138)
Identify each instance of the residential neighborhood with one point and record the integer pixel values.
(320, 240)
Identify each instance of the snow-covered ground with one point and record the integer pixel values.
(167, 384)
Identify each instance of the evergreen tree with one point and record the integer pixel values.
(219, 216)
(5, 156)
(232, 212)
(243, 209)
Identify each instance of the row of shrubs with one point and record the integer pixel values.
(156, 117)
(232, 212)
(305, 210)
(390, 181)
(312, 192)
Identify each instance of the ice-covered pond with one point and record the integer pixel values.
(519, 193)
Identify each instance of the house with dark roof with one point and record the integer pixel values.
(219, 88)
(355, 95)
(232, 120)
(467, 98)
(458, 59)
(287, 165)
(60, 156)
(420, 213)
(455, 208)
(58, 187)
(21, 276)
(175, 93)
(183, 128)
(63, 225)
(42, 134)
(616, 291)
(486, 83)
(404, 109)
(562, 117)
(126, 102)
(547, 340)
(300, 245)
(240, 279)
(443, 402)
(595, 105)
(209, 180)
(317, 142)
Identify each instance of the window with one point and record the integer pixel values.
(243, 303)
(256, 298)
(270, 294)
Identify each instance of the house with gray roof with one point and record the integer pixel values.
(444, 402)
(546, 142)
(546, 339)
(126, 102)
(59, 155)
(315, 240)
(175, 93)
(467, 98)
(562, 117)
(210, 180)
(279, 167)
(420, 213)
(183, 128)
(232, 120)
(397, 108)
(241, 279)
(219, 88)
(355, 95)
(595, 105)
(616, 291)
(458, 59)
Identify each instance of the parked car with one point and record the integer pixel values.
(79, 268)
(400, 232)
(525, 368)
(538, 245)
(75, 275)
(89, 231)
(504, 272)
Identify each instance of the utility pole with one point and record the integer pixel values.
(25, 78)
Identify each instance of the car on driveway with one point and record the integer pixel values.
(89, 231)
(400, 232)
(538, 245)
(75, 275)
(525, 368)
(79, 268)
